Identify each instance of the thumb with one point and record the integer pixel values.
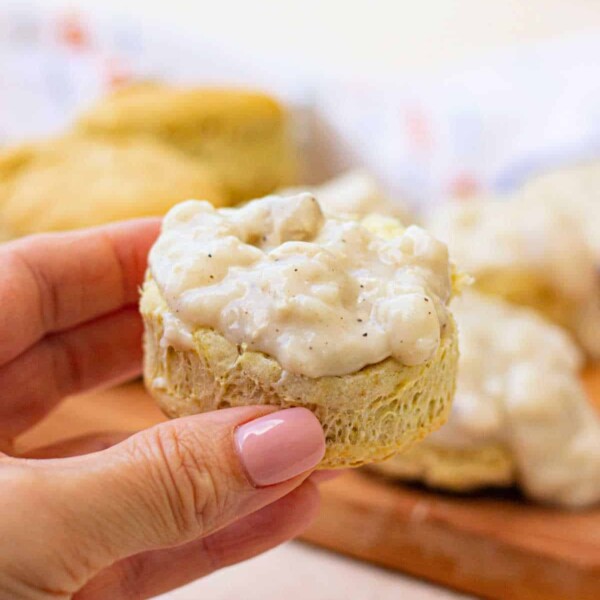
(184, 479)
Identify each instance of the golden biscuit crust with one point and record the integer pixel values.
(453, 469)
(74, 182)
(242, 135)
(366, 416)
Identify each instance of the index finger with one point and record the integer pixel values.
(52, 282)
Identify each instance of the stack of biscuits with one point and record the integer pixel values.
(526, 329)
(142, 150)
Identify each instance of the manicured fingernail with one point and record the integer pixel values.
(280, 446)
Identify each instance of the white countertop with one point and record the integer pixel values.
(297, 571)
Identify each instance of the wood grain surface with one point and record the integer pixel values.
(495, 546)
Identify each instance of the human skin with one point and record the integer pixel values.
(125, 515)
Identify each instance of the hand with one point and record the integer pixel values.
(117, 516)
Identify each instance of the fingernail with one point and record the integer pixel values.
(280, 446)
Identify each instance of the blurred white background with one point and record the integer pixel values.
(343, 37)
(435, 98)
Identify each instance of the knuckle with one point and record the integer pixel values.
(67, 364)
(6, 448)
(130, 576)
(61, 563)
(18, 480)
(47, 294)
(14, 480)
(191, 479)
(215, 553)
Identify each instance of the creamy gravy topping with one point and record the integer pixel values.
(323, 296)
(354, 193)
(514, 235)
(518, 385)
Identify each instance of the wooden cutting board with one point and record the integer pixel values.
(495, 546)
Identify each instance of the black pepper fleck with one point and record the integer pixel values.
(426, 299)
(295, 270)
(365, 334)
(359, 320)
(210, 256)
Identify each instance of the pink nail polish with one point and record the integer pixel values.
(277, 447)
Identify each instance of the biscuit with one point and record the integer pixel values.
(355, 192)
(273, 303)
(452, 469)
(75, 182)
(520, 414)
(366, 416)
(529, 256)
(242, 136)
(573, 191)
